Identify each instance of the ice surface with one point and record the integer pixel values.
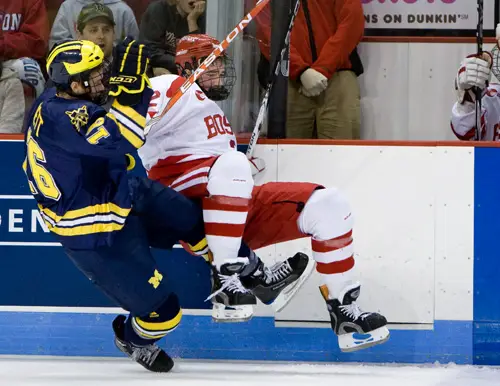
(47, 371)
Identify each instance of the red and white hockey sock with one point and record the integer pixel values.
(230, 185)
(335, 262)
(225, 219)
(327, 218)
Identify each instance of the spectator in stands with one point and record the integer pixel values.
(24, 35)
(52, 8)
(163, 23)
(32, 80)
(324, 65)
(65, 25)
(139, 7)
(11, 101)
(97, 24)
(25, 29)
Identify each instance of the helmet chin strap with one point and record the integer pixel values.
(218, 93)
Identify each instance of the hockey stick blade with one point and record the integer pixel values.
(208, 61)
(263, 106)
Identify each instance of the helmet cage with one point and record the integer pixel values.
(217, 81)
(91, 80)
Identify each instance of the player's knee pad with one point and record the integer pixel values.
(231, 175)
(160, 322)
(327, 214)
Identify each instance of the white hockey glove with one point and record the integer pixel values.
(313, 83)
(473, 72)
(257, 165)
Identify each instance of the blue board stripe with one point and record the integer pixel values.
(73, 334)
(486, 333)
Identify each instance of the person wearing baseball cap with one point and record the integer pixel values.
(67, 23)
(96, 23)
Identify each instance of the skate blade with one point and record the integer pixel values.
(289, 292)
(237, 314)
(356, 341)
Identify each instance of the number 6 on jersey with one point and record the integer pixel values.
(43, 179)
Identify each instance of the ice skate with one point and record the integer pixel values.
(278, 284)
(355, 328)
(151, 356)
(232, 302)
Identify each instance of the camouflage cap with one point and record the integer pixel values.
(93, 11)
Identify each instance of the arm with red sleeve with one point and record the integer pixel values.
(335, 53)
(31, 38)
(337, 49)
(263, 31)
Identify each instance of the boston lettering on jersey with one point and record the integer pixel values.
(217, 124)
(10, 21)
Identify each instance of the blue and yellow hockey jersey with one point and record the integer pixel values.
(76, 166)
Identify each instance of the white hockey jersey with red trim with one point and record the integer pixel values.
(463, 117)
(194, 128)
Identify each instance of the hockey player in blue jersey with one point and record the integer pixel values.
(106, 220)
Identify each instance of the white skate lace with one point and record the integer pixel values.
(146, 354)
(353, 311)
(231, 283)
(277, 272)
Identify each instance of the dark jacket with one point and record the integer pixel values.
(161, 26)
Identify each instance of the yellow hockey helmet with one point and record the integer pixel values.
(73, 60)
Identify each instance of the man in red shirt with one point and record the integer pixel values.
(25, 29)
(23, 37)
(324, 66)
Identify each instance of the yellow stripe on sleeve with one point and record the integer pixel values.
(130, 113)
(130, 136)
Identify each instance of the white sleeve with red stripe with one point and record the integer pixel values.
(463, 117)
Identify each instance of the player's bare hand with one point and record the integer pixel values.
(198, 9)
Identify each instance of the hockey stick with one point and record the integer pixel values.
(209, 60)
(274, 75)
(478, 91)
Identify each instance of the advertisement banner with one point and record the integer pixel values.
(431, 15)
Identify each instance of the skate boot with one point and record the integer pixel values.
(232, 302)
(355, 328)
(278, 284)
(151, 357)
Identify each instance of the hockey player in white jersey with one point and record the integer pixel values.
(188, 137)
(193, 150)
(476, 71)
